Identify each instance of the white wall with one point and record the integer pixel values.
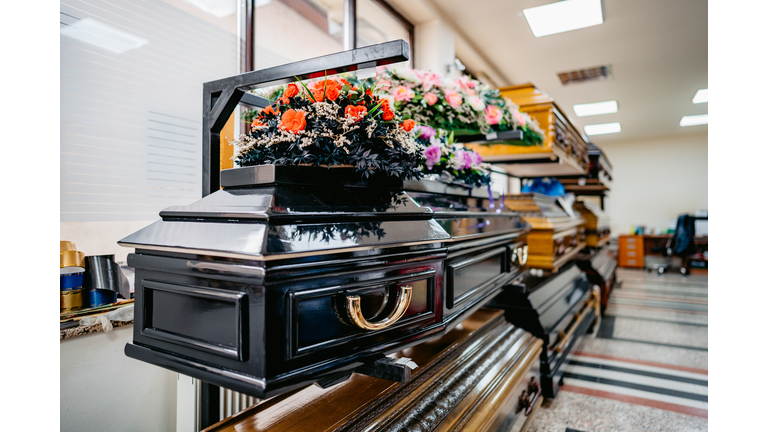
(656, 180)
(104, 390)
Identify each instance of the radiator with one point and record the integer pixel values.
(189, 408)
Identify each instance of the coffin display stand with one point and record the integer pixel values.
(283, 276)
(556, 237)
(481, 376)
(564, 151)
(560, 309)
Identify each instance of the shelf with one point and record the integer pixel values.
(491, 138)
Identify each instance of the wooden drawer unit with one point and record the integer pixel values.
(631, 251)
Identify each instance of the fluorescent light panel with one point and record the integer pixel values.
(602, 128)
(597, 108)
(694, 120)
(97, 33)
(702, 96)
(564, 16)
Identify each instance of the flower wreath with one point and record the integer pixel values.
(331, 122)
(464, 105)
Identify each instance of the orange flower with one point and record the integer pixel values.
(326, 84)
(345, 82)
(356, 112)
(291, 91)
(293, 121)
(255, 123)
(388, 115)
(332, 93)
(408, 125)
(284, 100)
(268, 110)
(328, 89)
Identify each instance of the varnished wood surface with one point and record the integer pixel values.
(365, 403)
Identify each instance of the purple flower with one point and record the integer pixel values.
(425, 133)
(432, 153)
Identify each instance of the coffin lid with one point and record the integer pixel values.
(270, 212)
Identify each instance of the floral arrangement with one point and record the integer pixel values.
(452, 162)
(464, 106)
(331, 122)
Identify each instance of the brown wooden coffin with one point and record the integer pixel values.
(564, 150)
(555, 237)
(477, 377)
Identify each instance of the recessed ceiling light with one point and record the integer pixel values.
(597, 108)
(702, 96)
(564, 16)
(603, 128)
(693, 120)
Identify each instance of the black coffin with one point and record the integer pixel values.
(560, 309)
(254, 287)
(600, 268)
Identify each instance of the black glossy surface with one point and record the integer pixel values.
(246, 288)
(545, 305)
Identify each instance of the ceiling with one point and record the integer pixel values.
(657, 49)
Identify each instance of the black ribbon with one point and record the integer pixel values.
(102, 272)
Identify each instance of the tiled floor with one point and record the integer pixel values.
(646, 368)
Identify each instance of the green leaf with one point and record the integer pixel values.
(305, 88)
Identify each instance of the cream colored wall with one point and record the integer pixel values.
(103, 390)
(656, 180)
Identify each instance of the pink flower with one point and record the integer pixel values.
(453, 97)
(432, 153)
(519, 118)
(384, 85)
(476, 159)
(403, 93)
(493, 114)
(464, 158)
(430, 98)
(430, 79)
(465, 83)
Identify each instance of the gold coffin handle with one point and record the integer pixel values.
(574, 325)
(355, 313)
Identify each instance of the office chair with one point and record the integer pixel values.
(680, 245)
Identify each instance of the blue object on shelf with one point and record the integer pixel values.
(543, 185)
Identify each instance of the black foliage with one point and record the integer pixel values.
(367, 155)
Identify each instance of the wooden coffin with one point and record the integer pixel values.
(564, 151)
(292, 275)
(559, 308)
(598, 223)
(478, 377)
(556, 237)
(597, 181)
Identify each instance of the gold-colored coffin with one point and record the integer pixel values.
(555, 237)
(562, 142)
(481, 375)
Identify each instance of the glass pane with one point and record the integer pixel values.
(375, 25)
(292, 30)
(132, 74)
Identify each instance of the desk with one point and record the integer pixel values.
(634, 249)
